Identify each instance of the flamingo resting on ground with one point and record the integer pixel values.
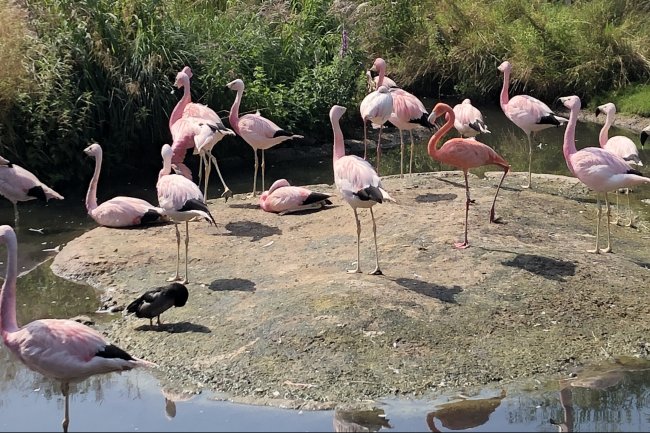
(60, 349)
(256, 130)
(284, 198)
(181, 200)
(619, 145)
(358, 183)
(190, 134)
(18, 184)
(408, 112)
(463, 153)
(119, 211)
(469, 120)
(528, 113)
(598, 169)
(154, 302)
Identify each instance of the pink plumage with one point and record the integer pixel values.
(598, 169)
(255, 129)
(60, 349)
(357, 181)
(463, 153)
(469, 120)
(18, 184)
(119, 211)
(528, 113)
(283, 198)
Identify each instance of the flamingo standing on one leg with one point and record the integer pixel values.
(60, 349)
(528, 113)
(463, 153)
(18, 184)
(256, 130)
(469, 120)
(619, 145)
(283, 198)
(119, 211)
(181, 200)
(408, 112)
(600, 170)
(184, 134)
(358, 183)
(376, 108)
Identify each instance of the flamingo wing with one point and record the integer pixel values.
(623, 147)
(175, 190)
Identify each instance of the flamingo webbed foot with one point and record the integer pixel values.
(227, 194)
(354, 271)
(606, 250)
(377, 271)
(461, 245)
(177, 278)
(595, 251)
(526, 186)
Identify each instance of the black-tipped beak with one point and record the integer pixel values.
(598, 111)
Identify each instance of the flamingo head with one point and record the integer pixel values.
(606, 108)
(93, 150)
(383, 89)
(467, 101)
(183, 77)
(166, 152)
(571, 102)
(279, 184)
(378, 65)
(7, 234)
(4, 161)
(236, 85)
(505, 66)
(336, 112)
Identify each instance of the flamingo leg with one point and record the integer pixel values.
(381, 127)
(255, 174)
(178, 255)
(303, 207)
(65, 389)
(227, 192)
(263, 166)
(618, 211)
(505, 171)
(465, 244)
(187, 243)
(205, 162)
(401, 154)
(16, 215)
(365, 140)
(597, 249)
(377, 271)
(530, 160)
(412, 149)
(629, 209)
(358, 269)
(608, 249)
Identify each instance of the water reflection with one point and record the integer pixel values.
(464, 414)
(360, 420)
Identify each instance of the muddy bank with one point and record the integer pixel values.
(274, 318)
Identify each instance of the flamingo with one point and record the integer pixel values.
(256, 130)
(60, 349)
(358, 183)
(528, 113)
(284, 198)
(469, 120)
(598, 169)
(119, 211)
(19, 184)
(374, 78)
(621, 146)
(463, 153)
(184, 133)
(376, 107)
(181, 199)
(408, 112)
(154, 302)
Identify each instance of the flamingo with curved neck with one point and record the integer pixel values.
(463, 153)
(284, 198)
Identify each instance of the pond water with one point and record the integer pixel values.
(614, 397)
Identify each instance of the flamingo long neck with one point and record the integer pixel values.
(339, 147)
(166, 168)
(435, 138)
(177, 112)
(604, 131)
(8, 322)
(569, 146)
(380, 78)
(91, 195)
(504, 98)
(233, 117)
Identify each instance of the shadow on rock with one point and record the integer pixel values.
(445, 294)
(229, 284)
(433, 198)
(253, 229)
(546, 267)
(175, 328)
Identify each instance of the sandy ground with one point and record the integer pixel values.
(274, 318)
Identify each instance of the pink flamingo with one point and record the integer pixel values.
(463, 153)
(408, 112)
(597, 168)
(181, 200)
(184, 133)
(619, 145)
(469, 120)
(284, 198)
(256, 130)
(119, 211)
(18, 184)
(60, 349)
(376, 108)
(358, 183)
(528, 113)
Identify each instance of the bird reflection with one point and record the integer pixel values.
(171, 397)
(464, 414)
(360, 420)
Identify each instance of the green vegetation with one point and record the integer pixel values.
(75, 71)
